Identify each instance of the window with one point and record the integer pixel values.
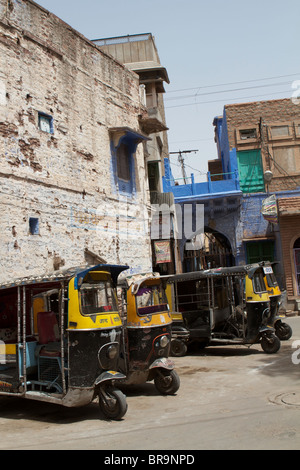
(124, 142)
(277, 131)
(260, 251)
(297, 129)
(285, 159)
(280, 131)
(151, 299)
(97, 297)
(34, 226)
(123, 162)
(153, 176)
(246, 134)
(45, 123)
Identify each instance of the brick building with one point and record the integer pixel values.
(73, 180)
(266, 136)
(289, 222)
(261, 140)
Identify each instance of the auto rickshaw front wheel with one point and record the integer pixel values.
(270, 344)
(112, 402)
(167, 381)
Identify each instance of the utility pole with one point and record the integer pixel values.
(181, 161)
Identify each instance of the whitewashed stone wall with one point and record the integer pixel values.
(65, 179)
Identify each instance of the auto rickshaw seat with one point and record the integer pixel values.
(48, 334)
(47, 327)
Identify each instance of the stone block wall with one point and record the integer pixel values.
(62, 175)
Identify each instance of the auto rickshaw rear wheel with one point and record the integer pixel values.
(166, 381)
(283, 331)
(270, 344)
(178, 348)
(112, 402)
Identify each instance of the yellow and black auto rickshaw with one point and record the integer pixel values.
(221, 306)
(282, 329)
(60, 339)
(147, 333)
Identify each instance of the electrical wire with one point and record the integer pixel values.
(226, 91)
(222, 100)
(235, 83)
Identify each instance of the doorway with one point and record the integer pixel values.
(296, 249)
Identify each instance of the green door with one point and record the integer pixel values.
(260, 251)
(250, 171)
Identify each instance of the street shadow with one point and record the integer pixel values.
(281, 364)
(31, 410)
(15, 408)
(147, 389)
(228, 350)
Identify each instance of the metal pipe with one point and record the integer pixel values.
(19, 314)
(31, 313)
(24, 339)
(62, 329)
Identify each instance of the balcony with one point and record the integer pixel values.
(213, 187)
(152, 121)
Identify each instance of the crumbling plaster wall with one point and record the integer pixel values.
(64, 178)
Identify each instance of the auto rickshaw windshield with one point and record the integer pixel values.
(97, 297)
(258, 282)
(271, 280)
(151, 299)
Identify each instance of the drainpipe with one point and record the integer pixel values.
(193, 184)
(237, 182)
(209, 182)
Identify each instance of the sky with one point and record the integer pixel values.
(216, 53)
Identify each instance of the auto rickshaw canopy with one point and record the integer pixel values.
(78, 273)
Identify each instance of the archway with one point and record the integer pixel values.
(211, 250)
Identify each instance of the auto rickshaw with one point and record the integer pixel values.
(147, 333)
(60, 339)
(221, 306)
(282, 329)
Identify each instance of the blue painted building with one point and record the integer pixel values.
(258, 148)
(222, 204)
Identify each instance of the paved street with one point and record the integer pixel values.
(229, 398)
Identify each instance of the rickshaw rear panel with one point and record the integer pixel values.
(232, 305)
(147, 333)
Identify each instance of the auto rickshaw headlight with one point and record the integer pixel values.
(112, 351)
(164, 341)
